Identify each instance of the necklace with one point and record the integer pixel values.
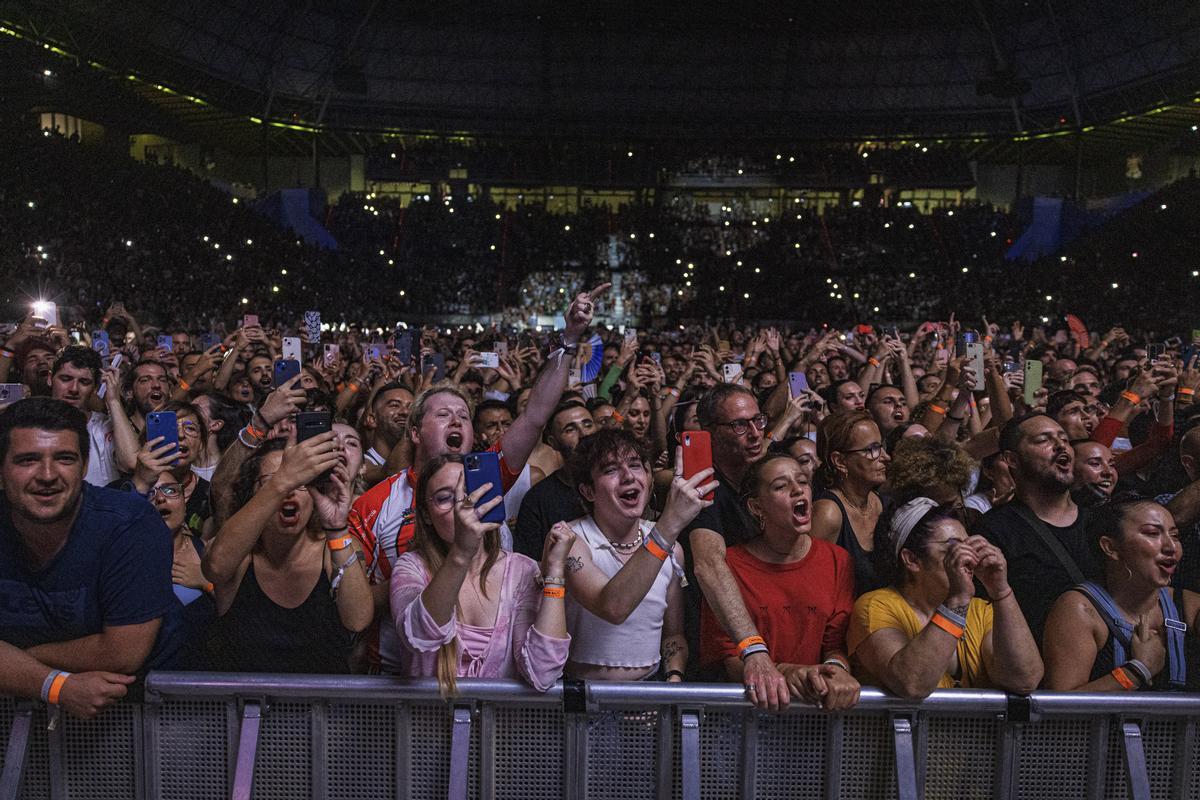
(849, 502)
(627, 547)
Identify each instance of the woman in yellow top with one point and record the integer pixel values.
(926, 630)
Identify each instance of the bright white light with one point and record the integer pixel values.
(245, 301)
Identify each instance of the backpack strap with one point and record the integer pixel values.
(1051, 542)
(1176, 630)
(1119, 630)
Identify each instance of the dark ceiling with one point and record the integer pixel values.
(359, 69)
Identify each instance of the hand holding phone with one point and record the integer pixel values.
(163, 424)
(484, 468)
(697, 454)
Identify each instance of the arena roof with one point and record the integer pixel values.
(1001, 72)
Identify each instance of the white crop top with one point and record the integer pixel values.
(637, 642)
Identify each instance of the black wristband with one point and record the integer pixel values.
(672, 672)
(335, 530)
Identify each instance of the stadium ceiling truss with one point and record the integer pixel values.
(1010, 78)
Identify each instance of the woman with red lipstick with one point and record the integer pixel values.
(1131, 630)
(288, 581)
(798, 589)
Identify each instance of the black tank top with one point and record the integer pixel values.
(864, 568)
(258, 635)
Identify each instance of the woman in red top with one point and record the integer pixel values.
(799, 590)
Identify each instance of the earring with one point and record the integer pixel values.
(762, 523)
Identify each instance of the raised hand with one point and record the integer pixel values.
(579, 313)
(469, 527)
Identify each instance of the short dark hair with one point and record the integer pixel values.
(491, 404)
(565, 405)
(710, 404)
(605, 445)
(44, 414)
(131, 376)
(247, 475)
(79, 356)
(1060, 400)
(1108, 518)
(390, 386)
(1010, 434)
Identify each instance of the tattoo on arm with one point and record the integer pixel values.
(670, 650)
(961, 610)
(574, 564)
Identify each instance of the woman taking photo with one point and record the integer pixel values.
(158, 456)
(1131, 630)
(464, 608)
(797, 589)
(927, 630)
(853, 467)
(289, 584)
(624, 596)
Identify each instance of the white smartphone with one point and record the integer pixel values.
(291, 348)
(331, 353)
(47, 311)
(731, 373)
(974, 353)
(489, 360)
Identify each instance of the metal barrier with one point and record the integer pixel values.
(213, 736)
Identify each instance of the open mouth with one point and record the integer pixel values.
(1063, 461)
(156, 396)
(164, 512)
(1167, 565)
(454, 440)
(630, 497)
(898, 416)
(800, 512)
(289, 513)
(1106, 486)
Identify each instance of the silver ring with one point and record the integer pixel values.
(750, 687)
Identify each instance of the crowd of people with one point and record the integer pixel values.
(1001, 501)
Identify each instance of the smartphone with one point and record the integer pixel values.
(374, 352)
(1033, 379)
(960, 343)
(893, 332)
(11, 393)
(1195, 334)
(723, 344)
(1174, 341)
(501, 348)
(164, 424)
(47, 311)
(312, 326)
(101, 343)
(250, 321)
(575, 377)
(1156, 350)
(163, 342)
(331, 353)
(209, 340)
(285, 370)
(312, 423)
(975, 363)
(797, 383)
(697, 454)
(117, 359)
(631, 335)
(731, 373)
(435, 362)
(481, 468)
(404, 347)
(656, 357)
(291, 348)
(489, 360)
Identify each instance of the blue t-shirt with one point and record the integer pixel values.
(114, 569)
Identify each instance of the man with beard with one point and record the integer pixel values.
(554, 499)
(36, 358)
(85, 572)
(383, 423)
(440, 422)
(261, 371)
(74, 379)
(1042, 531)
(147, 388)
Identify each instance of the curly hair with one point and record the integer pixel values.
(917, 465)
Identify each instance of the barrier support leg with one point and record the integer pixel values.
(243, 776)
(689, 744)
(460, 753)
(906, 770)
(16, 753)
(1137, 778)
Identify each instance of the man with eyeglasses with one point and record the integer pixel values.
(731, 415)
(85, 572)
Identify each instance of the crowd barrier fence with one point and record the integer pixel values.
(207, 736)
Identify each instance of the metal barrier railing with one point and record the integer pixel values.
(209, 736)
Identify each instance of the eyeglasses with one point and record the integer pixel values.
(871, 451)
(740, 426)
(443, 500)
(167, 490)
(190, 429)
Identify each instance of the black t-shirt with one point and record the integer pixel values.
(548, 502)
(1035, 574)
(728, 517)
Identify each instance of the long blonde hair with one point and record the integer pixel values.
(433, 551)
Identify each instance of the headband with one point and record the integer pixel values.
(906, 518)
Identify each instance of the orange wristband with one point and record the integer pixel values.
(554, 591)
(208, 587)
(1185, 392)
(339, 544)
(257, 433)
(873, 361)
(656, 550)
(940, 410)
(949, 627)
(184, 385)
(617, 416)
(1131, 397)
(1119, 673)
(352, 386)
(749, 640)
(56, 687)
